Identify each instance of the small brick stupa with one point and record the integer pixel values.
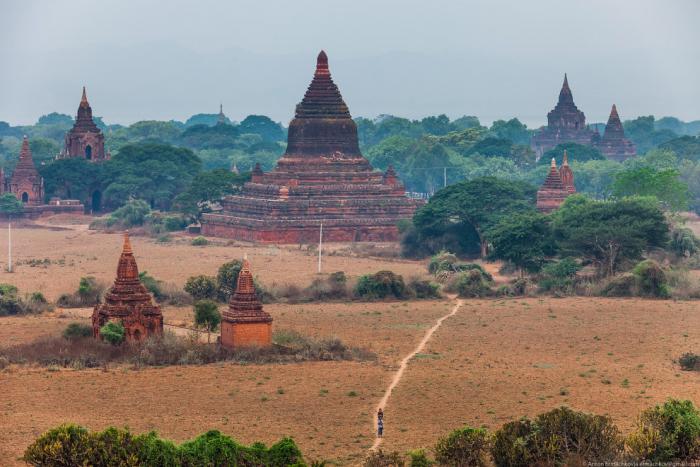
(26, 183)
(321, 179)
(245, 324)
(614, 145)
(565, 124)
(128, 302)
(558, 185)
(85, 139)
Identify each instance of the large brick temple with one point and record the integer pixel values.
(245, 323)
(85, 139)
(322, 178)
(614, 145)
(565, 124)
(128, 302)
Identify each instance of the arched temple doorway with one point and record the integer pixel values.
(96, 203)
(25, 197)
(88, 152)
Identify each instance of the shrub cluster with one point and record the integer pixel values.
(472, 283)
(89, 293)
(164, 292)
(74, 445)
(73, 350)
(690, 361)
(559, 277)
(12, 304)
(381, 285)
(668, 434)
(647, 279)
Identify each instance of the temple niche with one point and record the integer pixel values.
(322, 178)
(565, 124)
(614, 145)
(85, 139)
(558, 185)
(245, 324)
(128, 302)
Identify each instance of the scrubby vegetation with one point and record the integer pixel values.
(89, 293)
(668, 434)
(11, 303)
(74, 351)
(74, 445)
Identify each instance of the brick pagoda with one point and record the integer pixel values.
(558, 185)
(129, 302)
(245, 324)
(565, 124)
(26, 183)
(321, 179)
(614, 145)
(85, 139)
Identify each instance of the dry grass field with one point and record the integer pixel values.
(493, 361)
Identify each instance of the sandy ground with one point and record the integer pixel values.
(52, 261)
(493, 361)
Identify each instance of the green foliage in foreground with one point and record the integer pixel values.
(9, 204)
(69, 445)
(113, 332)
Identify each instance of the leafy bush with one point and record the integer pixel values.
(381, 285)
(380, 458)
(8, 290)
(133, 213)
(559, 277)
(419, 458)
(558, 437)
(624, 285)
(77, 331)
(199, 241)
(201, 287)
(442, 261)
(74, 445)
(684, 242)
(207, 316)
(670, 432)
(113, 332)
(464, 446)
(10, 305)
(470, 284)
(651, 279)
(689, 361)
(89, 293)
(226, 279)
(152, 285)
(423, 289)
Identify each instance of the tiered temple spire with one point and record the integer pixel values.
(556, 187)
(85, 139)
(128, 301)
(614, 145)
(26, 183)
(322, 177)
(245, 324)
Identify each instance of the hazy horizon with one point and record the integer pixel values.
(162, 61)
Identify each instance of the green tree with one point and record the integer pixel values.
(609, 232)
(154, 131)
(512, 130)
(113, 332)
(207, 188)
(74, 178)
(133, 213)
(492, 147)
(201, 287)
(644, 135)
(522, 239)
(576, 153)
(475, 205)
(464, 446)
(227, 279)
(664, 185)
(263, 126)
(207, 316)
(150, 171)
(9, 204)
(595, 177)
(390, 151)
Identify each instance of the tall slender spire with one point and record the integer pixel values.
(565, 95)
(83, 100)
(565, 159)
(127, 270)
(322, 98)
(25, 157)
(322, 64)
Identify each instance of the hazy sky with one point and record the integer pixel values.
(163, 60)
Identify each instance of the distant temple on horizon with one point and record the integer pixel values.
(558, 185)
(614, 145)
(565, 124)
(322, 179)
(27, 185)
(85, 139)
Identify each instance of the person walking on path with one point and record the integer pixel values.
(380, 423)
